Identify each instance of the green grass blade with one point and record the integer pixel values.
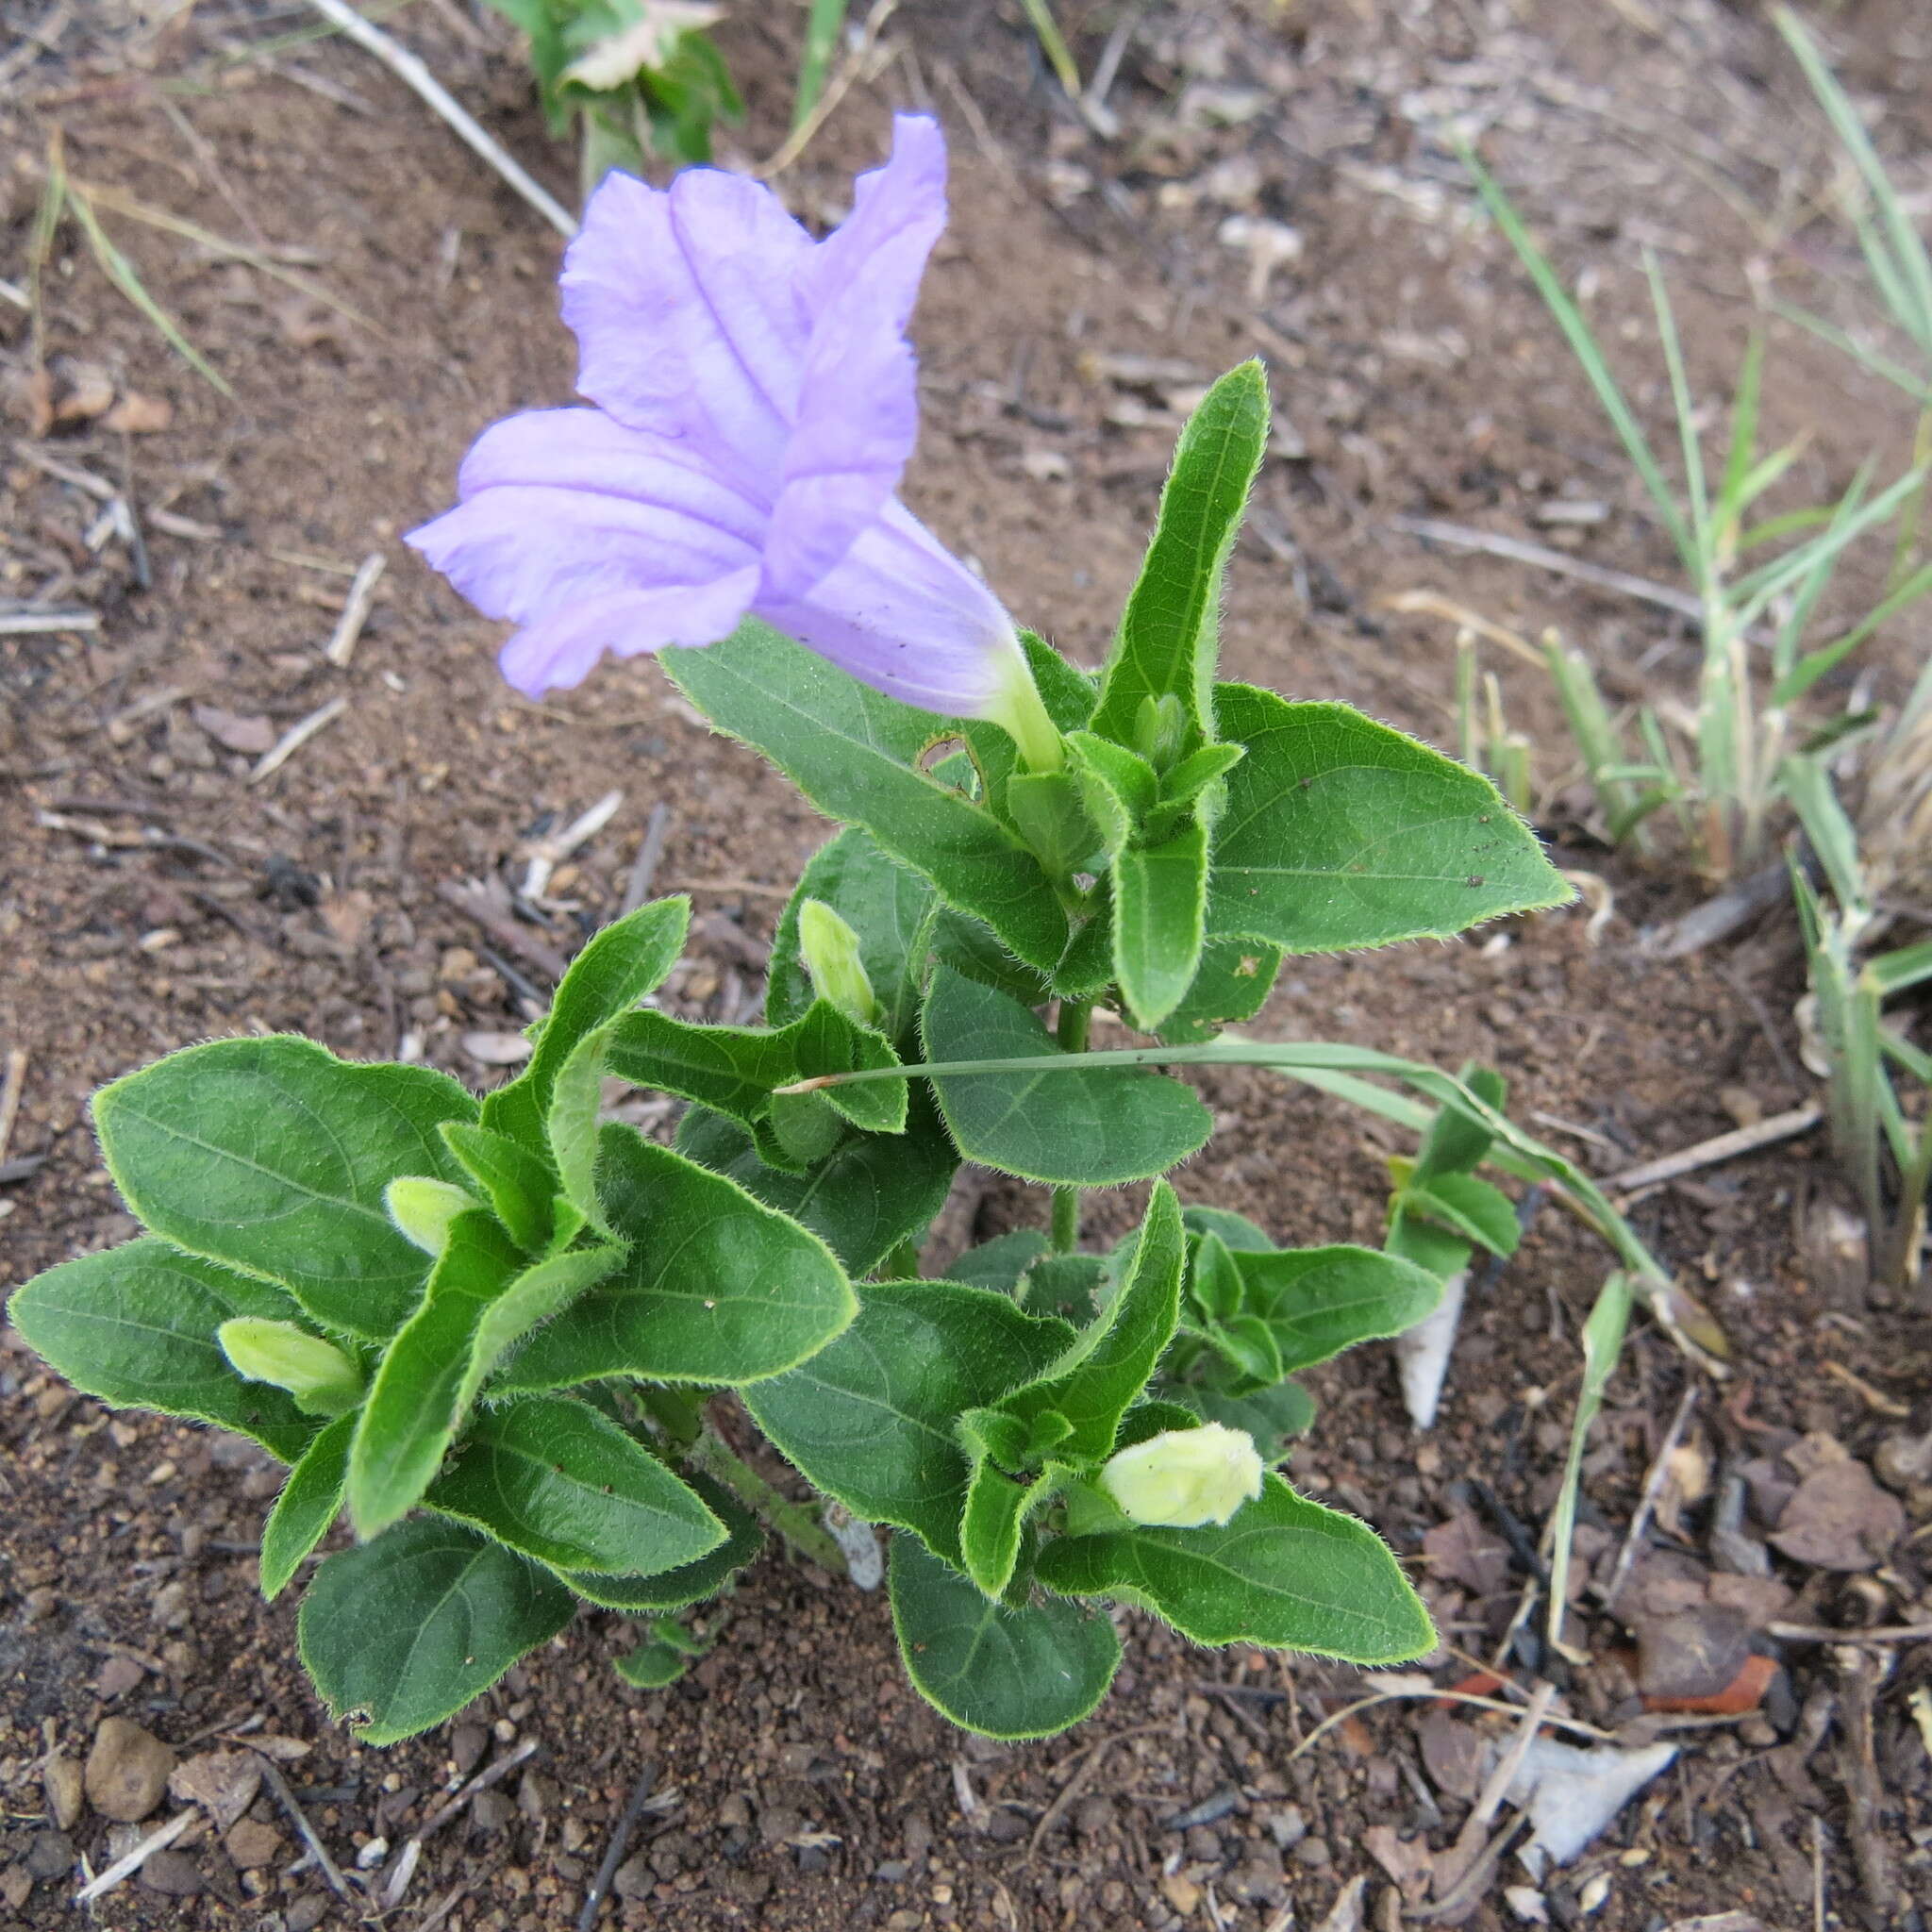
(1902, 968)
(1878, 363)
(1802, 675)
(121, 272)
(1603, 1343)
(822, 29)
(1915, 314)
(1689, 440)
(1583, 345)
(1053, 47)
(1734, 494)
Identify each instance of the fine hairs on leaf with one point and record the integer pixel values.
(537, 1357)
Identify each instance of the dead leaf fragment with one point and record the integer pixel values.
(245, 732)
(1408, 1861)
(1464, 1551)
(1840, 1518)
(86, 391)
(138, 415)
(222, 1783)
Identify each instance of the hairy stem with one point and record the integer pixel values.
(1076, 1017)
(796, 1523)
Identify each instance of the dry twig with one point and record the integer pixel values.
(126, 1866)
(474, 901)
(11, 1089)
(424, 85)
(279, 1786)
(1722, 1147)
(295, 737)
(620, 1843)
(355, 609)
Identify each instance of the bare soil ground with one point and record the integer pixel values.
(152, 892)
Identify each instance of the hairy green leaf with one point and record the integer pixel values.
(1168, 631)
(1001, 1670)
(311, 1500)
(1283, 1572)
(551, 1477)
(1160, 912)
(1340, 832)
(272, 1156)
(869, 1419)
(855, 753)
(714, 1287)
(1077, 1128)
(402, 1632)
(415, 1402)
(135, 1327)
(870, 1194)
(615, 970)
(690, 1583)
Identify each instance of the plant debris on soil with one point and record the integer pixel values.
(258, 773)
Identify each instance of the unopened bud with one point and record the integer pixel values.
(1160, 726)
(830, 950)
(321, 1378)
(423, 1210)
(1186, 1477)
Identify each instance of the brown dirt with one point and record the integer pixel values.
(1420, 377)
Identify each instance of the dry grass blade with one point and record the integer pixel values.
(123, 204)
(121, 272)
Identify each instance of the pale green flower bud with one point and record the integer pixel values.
(423, 1210)
(830, 949)
(1160, 725)
(1186, 1477)
(321, 1380)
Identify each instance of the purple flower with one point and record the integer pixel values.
(755, 406)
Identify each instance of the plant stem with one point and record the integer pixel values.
(796, 1523)
(1077, 1016)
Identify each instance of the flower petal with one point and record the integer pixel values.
(858, 407)
(562, 505)
(559, 650)
(902, 614)
(687, 317)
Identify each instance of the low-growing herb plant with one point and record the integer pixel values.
(495, 1330)
(632, 78)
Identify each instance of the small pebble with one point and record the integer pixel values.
(127, 1770)
(63, 1782)
(173, 1874)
